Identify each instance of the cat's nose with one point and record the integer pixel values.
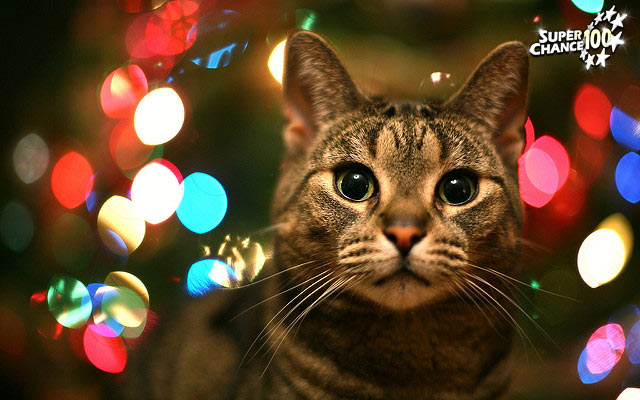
(404, 236)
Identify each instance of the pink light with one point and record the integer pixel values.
(171, 30)
(605, 348)
(106, 353)
(122, 90)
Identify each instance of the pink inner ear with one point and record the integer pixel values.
(300, 129)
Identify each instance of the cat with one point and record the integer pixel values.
(394, 223)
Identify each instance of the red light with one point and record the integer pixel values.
(592, 109)
(106, 353)
(71, 180)
(134, 6)
(126, 149)
(172, 29)
(122, 90)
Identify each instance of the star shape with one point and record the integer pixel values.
(590, 26)
(601, 57)
(615, 41)
(598, 18)
(618, 21)
(583, 54)
(610, 13)
(589, 61)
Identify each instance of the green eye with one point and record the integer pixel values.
(355, 184)
(457, 188)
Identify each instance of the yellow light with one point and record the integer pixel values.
(159, 116)
(120, 226)
(619, 223)
(276, 61)
(601, 257)
(122, 279)
(156, 192)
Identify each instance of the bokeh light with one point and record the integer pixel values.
(120, 226)
(108, 354)
(100, 322)
(629, 393)
(127, 280)
(204, 203)
(122, 90)
(69, 301)
(16, 226)
(620, 224)
(126, 149)
(244, 256)
(156, 192)
(625, 127)
(71, 180)
(134, 6)
(601, 257)
(125, 306)
(603, 351)
(30, 158)
(542, 170)
(72, 241)
(591, 108)
(159, 116)
(208, 274)
(221, 39)
(627, 177)
(589, 6)
(633, 344)
(170, 30)
(276, 61)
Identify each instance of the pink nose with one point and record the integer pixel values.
(404, 237)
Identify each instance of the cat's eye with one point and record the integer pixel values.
(457, 188)
(355, 184)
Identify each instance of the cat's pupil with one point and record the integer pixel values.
(355, 185)
(456, 190)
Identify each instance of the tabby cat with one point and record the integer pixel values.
(395, 222)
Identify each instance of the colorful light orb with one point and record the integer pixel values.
(156, 192)
(629, 394)
(601, 257)
(69, 301)
(159, 116)
(633, 344)
(221, 39)
(71, 180)
(125, 306)
(620, 224)
(624, 120)
(204, 203)
(543, 169)
(244, 256)
(135, 39)
(592, 108)
(586, 376)
(126, 149)
(627, 175)
(72, 241)
(135, 6)
(30, 158)
(276, 61)
(100, 322)
(122, 90)
(108, 354)
(605, 348)
(589, 6)
(170, 30)
(208, 274)
(16, 226)
(120, 226)
(126, 280)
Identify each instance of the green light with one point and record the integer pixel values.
(69, 301)
(535, 284)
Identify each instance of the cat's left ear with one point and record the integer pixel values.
(496, 95)
(316, 87)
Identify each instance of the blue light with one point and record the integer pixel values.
(633, 344)
(202, 276)
(628, 177)
(625, 129)
(221, 39)
(585, 375)
(204, 203)
(589, 6)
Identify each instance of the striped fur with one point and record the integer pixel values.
(335, 325)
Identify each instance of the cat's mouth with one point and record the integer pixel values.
(402, 273)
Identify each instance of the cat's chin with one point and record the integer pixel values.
(400, 293)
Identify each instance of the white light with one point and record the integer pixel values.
(30, 158)
(120, 226)
(601, 257)
(159, 116)
(156, 192)
(629, 394)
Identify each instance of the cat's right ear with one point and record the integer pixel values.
(316, 87)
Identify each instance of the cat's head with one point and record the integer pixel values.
(402, 199)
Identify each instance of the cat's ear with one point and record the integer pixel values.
(496, 95)
(316, 88)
